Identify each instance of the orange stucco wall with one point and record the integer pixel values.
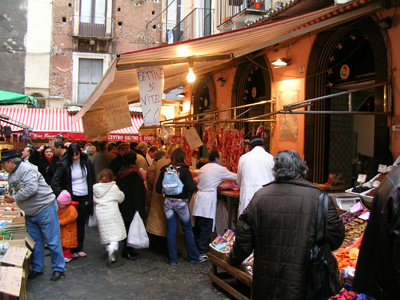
(288, 86)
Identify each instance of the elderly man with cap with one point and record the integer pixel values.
(117, 162)
(254, 171)
(36, 199)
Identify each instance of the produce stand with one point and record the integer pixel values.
(234, 281)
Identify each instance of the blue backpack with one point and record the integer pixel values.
(171, 183)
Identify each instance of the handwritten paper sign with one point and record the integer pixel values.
(151, 86)
(10, 280)
(117, 113)
(95, 124)
(193, 138)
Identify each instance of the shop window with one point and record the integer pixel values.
(90, 74)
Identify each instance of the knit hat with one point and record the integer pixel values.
(64, 198)
(256, 141)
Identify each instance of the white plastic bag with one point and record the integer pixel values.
(92, 219)
(137, 236)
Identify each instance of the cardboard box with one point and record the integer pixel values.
(15, 265)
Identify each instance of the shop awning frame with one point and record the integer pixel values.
(211, 52)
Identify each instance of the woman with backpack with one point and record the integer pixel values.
(177, 205)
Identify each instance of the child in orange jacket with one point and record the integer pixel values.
(67, 215)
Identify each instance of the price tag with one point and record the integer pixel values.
(382, 168)
(361, 178)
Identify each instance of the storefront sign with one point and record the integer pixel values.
(94, 124)
(117, 113)
(344, 72)
(151, 86)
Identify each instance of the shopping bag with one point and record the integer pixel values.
(92, 219)
(137, 235)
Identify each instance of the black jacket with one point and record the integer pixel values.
(44, 167)
(184, 175)
(378, 265)
(135, 195)
(116, 164)
(279, 224)
(62, 178)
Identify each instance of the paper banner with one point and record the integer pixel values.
(117, 113)
(193, 138)
(151, 86)
(94, 124)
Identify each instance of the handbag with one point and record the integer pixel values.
(324, 278)
(137, 235)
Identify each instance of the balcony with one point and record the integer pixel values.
(235, 14)
(92, 27)
(198, 23)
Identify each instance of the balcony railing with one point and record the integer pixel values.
(90, 27)
(230, 8)
(198, 23)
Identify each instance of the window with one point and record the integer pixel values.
(40, 101)
(207, 17)
(92, 18)
(90, 74)
(88, 69)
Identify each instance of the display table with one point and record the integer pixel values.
(232, 198)
(233, 280)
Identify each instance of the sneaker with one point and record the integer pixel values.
(203, 258)
(111, 257)
(67, 260)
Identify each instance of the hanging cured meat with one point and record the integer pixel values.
(229, 142)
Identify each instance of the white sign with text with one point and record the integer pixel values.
(151, 86)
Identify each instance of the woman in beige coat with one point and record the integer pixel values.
(156, 224)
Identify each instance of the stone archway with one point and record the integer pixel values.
(329, 139)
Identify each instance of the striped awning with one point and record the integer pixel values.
(47, 123)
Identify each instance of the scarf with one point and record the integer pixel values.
(125, 171)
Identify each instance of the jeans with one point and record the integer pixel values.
(41, 227)
(202, 233)
(172, 209)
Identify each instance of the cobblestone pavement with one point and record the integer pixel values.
(149, 277)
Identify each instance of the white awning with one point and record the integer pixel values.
(212, 53)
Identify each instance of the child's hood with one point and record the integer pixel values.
(101, 188)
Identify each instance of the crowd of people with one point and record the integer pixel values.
(277, 209)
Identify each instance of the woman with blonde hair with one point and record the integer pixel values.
(156, 224)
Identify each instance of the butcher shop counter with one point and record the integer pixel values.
(232, 198)
(234, 281)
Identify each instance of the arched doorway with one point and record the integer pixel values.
(346, 58)
(203, 100)
(252, 84)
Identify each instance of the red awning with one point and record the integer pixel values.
(47, 123)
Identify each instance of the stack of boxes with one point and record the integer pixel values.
(15, 250)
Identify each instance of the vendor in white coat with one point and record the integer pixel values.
(205, 201)
(254, 171)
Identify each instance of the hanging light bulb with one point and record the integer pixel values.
(191, 77)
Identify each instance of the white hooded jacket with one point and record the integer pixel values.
(110, 224)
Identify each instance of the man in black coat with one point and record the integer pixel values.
(279, 225)
(378, 265)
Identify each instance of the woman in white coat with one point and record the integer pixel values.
(107, 196)
(205, 201)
